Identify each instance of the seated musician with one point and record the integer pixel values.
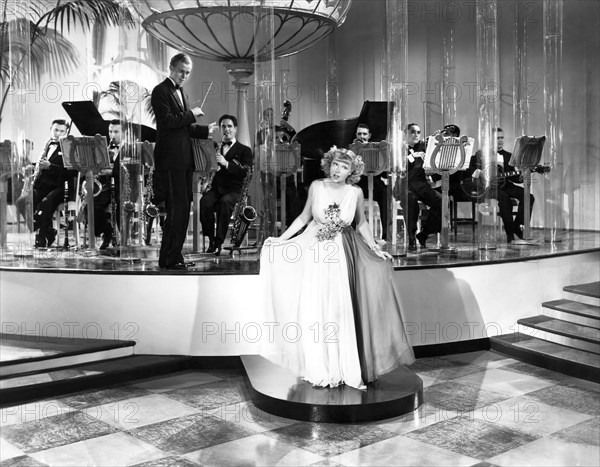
(284, 133)
(102, 219)
(225, 191)
(48, 185)
(363, 135)
(420, 189)
(125, 173)
(23, 186)
(510, 190)
(512, 226)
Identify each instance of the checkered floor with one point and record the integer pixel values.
(480, 408)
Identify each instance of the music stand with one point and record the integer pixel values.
(287, 158)
(88, 121)
(205, 166)
(444, 156)
(376, 159)
(88, 155)
(526, 156)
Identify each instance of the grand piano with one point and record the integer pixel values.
(315, 140)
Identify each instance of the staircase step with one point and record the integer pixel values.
(21, 354)
(585, 293)
(591, 289)
(549, 355)
(574, 312)
(561, 332)
(35, 386)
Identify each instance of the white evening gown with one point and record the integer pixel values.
(332, 308)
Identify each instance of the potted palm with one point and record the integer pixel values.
(49, 51)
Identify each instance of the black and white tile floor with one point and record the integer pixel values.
(481, 408)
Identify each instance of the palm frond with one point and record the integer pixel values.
(52, 53)
(85, 13)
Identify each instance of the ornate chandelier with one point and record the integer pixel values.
(225, 30)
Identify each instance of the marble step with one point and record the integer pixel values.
(584, 293)
(549, 355)
(35, 386)
(561, 332)
(574, 312)
(23, 353)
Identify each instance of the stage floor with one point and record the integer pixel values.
(146, 260)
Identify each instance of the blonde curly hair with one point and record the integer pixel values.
(356, 163)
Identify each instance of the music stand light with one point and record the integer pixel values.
(88, 155)
(376, 159)
(205, 166)
(287, 160)
(526, 156)
(445, 156)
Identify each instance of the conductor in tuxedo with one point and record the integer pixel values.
(233, 160)
(174, 161)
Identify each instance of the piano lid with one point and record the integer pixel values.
(89, 122)
(317, 139)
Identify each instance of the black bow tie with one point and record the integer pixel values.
(225, 144)
(178, 87)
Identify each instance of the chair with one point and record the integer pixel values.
(454, 214)
(72, 210)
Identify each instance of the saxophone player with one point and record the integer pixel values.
(49, 178)
(102, 218)
(234, 159)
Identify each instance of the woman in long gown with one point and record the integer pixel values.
(332, 307)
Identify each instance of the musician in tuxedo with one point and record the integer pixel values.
(175, 126)
(506, 189)
(49, 185)
(282, 133)
(363, 136)
(419, 189)
(509, 190)
(102, 221)
(234, 159)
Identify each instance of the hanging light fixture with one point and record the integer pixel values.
(225, 30)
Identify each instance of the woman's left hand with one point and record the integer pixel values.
(379, 252)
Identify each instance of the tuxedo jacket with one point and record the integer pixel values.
(506, 167)
(231, 179)
(55, 175)
(175, 125)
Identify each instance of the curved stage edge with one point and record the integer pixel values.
(277, 391)
(218, 313)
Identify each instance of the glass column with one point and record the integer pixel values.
(264, 154)
(16, 176)
(487, 79)
(397, 59)
(553, 180)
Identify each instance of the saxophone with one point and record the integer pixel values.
(150, 208)
(243, 213)
(43, 158)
